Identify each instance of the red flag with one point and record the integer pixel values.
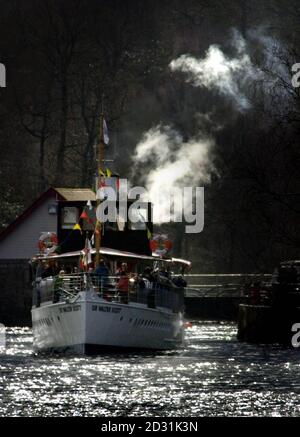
(84, 215)
(102, 182)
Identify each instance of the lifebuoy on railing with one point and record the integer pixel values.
(161, 245)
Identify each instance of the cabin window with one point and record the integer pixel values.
(69, 217)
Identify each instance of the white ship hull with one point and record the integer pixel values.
(89, 324)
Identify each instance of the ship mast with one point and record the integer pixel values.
(98, 228)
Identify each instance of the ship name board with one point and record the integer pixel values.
(106, 309)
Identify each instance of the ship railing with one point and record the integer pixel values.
(69, 285)
(113, 288)
(56, 288)
(155, 295)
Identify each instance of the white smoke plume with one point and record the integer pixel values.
(172, 163)
(216, 71)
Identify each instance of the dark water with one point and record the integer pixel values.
(212, 375)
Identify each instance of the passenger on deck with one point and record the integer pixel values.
(48, 271)
(164, 272)
(58, 285)
(102, 269)
(162, 279)
(101, 274)
(123, 286)
(148, 274)
(122, 269)
(179, 282)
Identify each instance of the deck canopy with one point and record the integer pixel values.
(114, 253)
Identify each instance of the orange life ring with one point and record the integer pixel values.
(47, 241)
(161, 245)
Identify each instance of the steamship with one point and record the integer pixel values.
(101, 286)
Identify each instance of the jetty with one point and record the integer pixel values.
(273, 308)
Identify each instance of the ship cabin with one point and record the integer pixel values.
(120, 235)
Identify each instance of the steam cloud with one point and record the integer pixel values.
(218, 72)
(172, 163)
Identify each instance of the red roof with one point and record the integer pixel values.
(49, 193)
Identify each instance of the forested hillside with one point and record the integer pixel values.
(207, 79)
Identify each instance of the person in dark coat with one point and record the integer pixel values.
(101, 274)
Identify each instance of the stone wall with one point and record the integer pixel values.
(15, 293)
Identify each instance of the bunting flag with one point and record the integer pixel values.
(84, 215)
(81, 264)
(87, 253)
(88, 214)
(102, 182)
(105, 133)
(77, 227)
(106, 173)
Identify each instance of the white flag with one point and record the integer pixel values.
(105, 133)
(87, 253)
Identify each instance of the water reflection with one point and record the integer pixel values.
(211, 375)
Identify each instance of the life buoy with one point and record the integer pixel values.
(47, 242)
(161, 245)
